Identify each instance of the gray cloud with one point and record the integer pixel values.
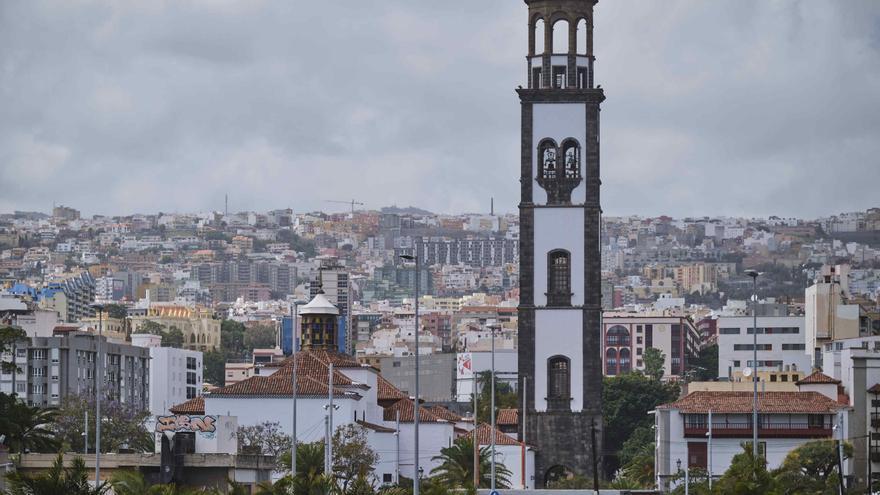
(731, 107)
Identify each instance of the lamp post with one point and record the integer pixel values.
(709, 434)
(492, 404)
(754, 275)
(99, 378)
(296, 304)
(416, 480)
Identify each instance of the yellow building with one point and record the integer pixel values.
(201, 332)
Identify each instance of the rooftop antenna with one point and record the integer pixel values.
(226, 210)
(492, 206)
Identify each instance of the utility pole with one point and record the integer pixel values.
(709, 433)
(476, 440)
(99, 379)
(492, 405)
(330, 418)
(595, 458)
(293, 383)
(397, 439)
(841, 488)
(754, 275)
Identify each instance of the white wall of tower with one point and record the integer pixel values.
(558, 121)
(559, 332)
(559, 228)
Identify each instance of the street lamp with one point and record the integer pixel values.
(415, 259)
(754, 274)
(295, 308)
(99, 378)
(492, 404)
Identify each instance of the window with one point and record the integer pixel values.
(785, 378)
(736, 364)
(387, 478)
(559, 278)
(611, 362)
(625, 363)
(536, 77)
(190, 363)
(793, 347)
(558, 382)
(191, 378)
(190, 392)
(547, 152)
(38, 354)
(728, 331)
(748, 347)
(38, 371)
(617, 335)
(639, 340)
(571, 154)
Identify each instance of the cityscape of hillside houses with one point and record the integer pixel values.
(171, 289)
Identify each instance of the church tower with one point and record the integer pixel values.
(560, 264)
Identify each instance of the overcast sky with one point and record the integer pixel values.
(737, 107)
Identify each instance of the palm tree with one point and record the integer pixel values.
(73, 480)
(125, 482)
(309, 459)
(457, 466)
(30, 428)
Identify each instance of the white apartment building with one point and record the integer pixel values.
(175, 374)
(780, 345)
(786, 420)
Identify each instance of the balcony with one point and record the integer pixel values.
(744, 430)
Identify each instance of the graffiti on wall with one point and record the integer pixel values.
(186, 422)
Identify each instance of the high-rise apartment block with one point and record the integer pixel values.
(66, 364)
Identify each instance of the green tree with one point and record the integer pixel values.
(9, 337)
(122, 426)
(352, 456)
(640, 439)
(232, 339)
(27, 429)
(215, 368)
(705, 366)
(265, 438)
(73, 480)
(655, 361)
(259, 337)
(505, 396)
(117, 311)
(626, 400)
(811, 468)
(746, 475)
(456, 469)
(152, 327)
(173, 338)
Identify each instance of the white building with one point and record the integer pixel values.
(786, 420)
(781, 344)
(175, 374)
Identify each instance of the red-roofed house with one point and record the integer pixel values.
(516, 456)
(786, 420)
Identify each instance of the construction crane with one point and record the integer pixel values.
(352, 203)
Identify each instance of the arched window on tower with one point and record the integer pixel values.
(560, 37)
(547, 152)
(582, 37)
(559, 170)
(558, 383)
(571, 153)
(539, 37)
(611, 362)
(559, 278)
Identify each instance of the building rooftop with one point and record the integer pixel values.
(817, 377)
(507, 417)
(768, 403)
(193, 406)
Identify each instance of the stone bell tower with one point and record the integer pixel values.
(560, 264)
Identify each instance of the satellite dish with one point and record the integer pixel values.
(747, 372)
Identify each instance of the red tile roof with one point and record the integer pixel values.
(387, 391)
(817, 377)
(192, 406)
(875, 389)
(444, 413)
(312, 369)
(484, 436)
(507, 417)
(405, 407)
(768, 403)
(375, 427)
